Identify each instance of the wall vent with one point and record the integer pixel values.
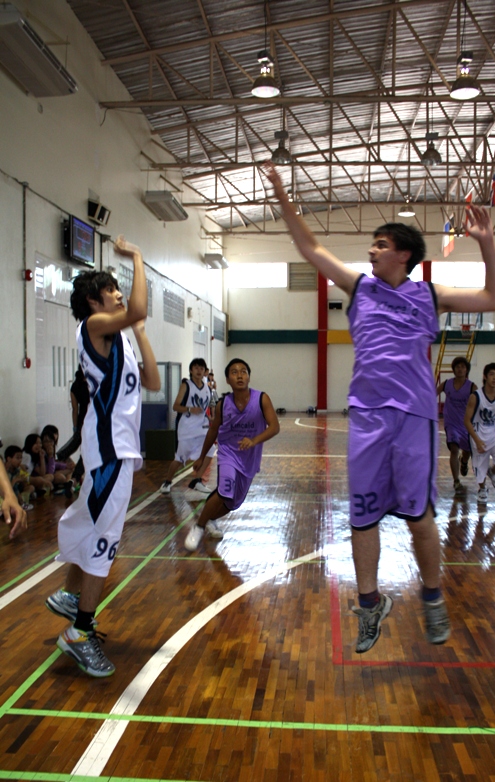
(302, 277)
(27, 59)
(215, 261)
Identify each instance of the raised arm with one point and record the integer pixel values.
(480, 228)
(148, 371)
(317, 255)
(101, 324)
(12, 511)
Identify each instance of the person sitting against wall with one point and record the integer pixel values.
(36, 465)
(61, 471)
(18, 475)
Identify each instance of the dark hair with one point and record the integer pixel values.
(31, 440)
(88, 285)
(488, 368)
(237, 361)
(11, 451)
(198, 362)
(51, 431)
(405, 237)
(461, 360)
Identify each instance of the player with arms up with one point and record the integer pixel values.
(244, 420)
(89, 532)
(393, 442)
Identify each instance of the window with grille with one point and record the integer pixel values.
(173, 308)
(150, 297)
(219, 329)
(125, 278)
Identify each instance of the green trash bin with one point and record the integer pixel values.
(160, 444)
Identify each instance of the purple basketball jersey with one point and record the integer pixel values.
(237, 424)
(392, 329)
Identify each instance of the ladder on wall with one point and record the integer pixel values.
(470, 324)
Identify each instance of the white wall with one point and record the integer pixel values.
(65, 147)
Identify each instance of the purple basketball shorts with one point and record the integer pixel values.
(457, 435)
(392, 459)
(232, 486)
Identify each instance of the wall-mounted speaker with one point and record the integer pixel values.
(97, 212)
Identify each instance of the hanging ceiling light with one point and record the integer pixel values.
(465, 86)
(281, 156)
(406, 210)
(265, 85)
(431, 156)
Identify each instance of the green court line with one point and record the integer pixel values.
(45, 665)
(171, 559)
(41, 776)
(30, 570)
(258, 724)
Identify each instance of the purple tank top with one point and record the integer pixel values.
(456, 403)
(236, 425)
(392, 329)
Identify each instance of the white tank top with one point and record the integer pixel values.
(111, 426)
(188, 424)
(483, 419)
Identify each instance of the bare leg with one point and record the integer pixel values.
(366, 555)
(204, 467)
(174, 466)
(88, 585)
(213, 509)
(454, 461)
(426, 544)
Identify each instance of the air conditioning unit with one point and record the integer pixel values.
(215, 261)
(164, 205)
(28, 60)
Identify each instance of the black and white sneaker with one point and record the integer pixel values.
(370, 620)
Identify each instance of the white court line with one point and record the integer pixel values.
(323, 428)
(20, 590)
(98, 753)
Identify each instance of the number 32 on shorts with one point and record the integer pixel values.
(102, 548)
(364, 504)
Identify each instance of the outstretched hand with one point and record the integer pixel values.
(478, 223)
(272, 175)
(123, 247)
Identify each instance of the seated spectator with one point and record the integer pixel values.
(60, 471)
(52, 431)
(18, 476)
(36, 466)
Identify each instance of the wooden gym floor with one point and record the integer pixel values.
(237, 662)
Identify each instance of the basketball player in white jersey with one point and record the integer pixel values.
(89, 532)
(191, 426)
(480, 423)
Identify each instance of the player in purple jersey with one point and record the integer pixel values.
(244, 420)
(393, 417)
(457, 391)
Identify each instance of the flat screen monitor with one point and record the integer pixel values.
(79, 241)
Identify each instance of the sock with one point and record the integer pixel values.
(84, 620)
(193, 483)
(430, 595)
(370, 599)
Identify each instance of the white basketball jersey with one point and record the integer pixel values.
(188, 424)
(111, 426)
(483, 418)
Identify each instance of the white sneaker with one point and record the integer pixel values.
(200, 486)
(482, 494)
(194, 538)
(214, 530)
(166, 487)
